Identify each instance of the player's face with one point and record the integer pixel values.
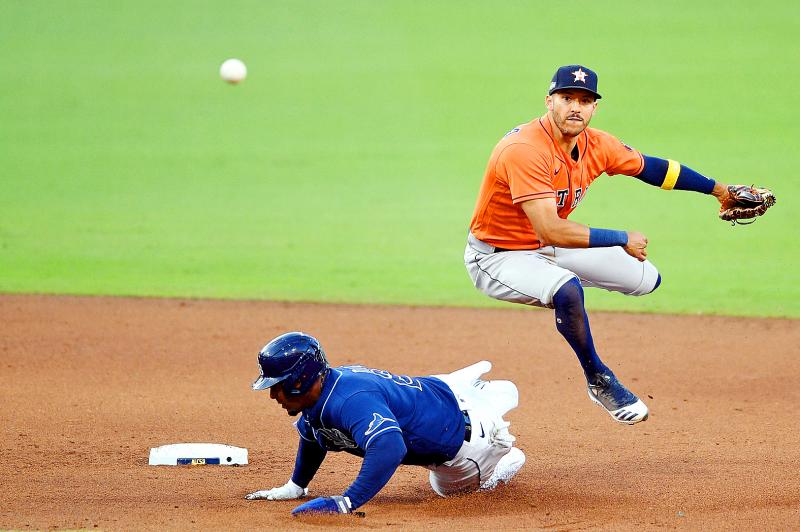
(295, 404)
(571, 110)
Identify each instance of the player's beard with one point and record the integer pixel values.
(570, 128)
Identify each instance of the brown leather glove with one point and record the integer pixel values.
(745, 203)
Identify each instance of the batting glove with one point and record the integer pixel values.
(290, 490)
(325, 505)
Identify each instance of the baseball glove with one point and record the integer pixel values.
(745, 203)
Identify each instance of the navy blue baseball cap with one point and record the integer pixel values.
(574, 77)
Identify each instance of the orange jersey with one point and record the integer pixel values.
(528, 164)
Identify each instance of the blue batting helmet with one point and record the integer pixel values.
(294, 359)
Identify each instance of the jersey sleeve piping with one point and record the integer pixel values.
(366, 445)
(641, 164)
(303, 437)
(537, 195)
(502, 152)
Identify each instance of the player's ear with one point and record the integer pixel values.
(548, 102)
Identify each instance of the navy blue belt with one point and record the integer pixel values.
(467, 426)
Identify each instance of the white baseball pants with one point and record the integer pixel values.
(533, 277)
(486, 402)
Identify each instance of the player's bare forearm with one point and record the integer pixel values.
(564, 234)
(553, 230)
(575, 235)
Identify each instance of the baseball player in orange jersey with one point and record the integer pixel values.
(521, 247)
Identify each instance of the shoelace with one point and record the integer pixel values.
(607, 382)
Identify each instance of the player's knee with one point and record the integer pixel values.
(658, 283)
(457, 482)
(650, 281)
(569, 306)
(569, 296)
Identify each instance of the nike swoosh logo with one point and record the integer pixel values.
(482, 432)
(557, 171)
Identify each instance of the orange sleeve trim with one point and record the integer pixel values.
(538, 195)
(641, 164)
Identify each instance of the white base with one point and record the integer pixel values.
(198, 454)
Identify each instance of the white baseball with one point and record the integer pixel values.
(233, 70)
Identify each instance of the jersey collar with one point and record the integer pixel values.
(315, 412)
(563, 157)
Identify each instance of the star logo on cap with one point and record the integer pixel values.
(580, 75)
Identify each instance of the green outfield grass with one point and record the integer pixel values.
(346, 167)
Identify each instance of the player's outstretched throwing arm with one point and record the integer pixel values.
(737, 202)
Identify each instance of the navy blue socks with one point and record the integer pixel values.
(573, 324)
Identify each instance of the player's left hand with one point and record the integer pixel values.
(742, 202)
(325, 505)
(290, 490)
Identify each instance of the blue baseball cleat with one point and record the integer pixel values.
(618, 401)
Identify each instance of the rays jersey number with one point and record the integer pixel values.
(400, 380)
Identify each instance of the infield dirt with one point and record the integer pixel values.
(90, 384)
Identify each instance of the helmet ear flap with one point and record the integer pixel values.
(295, 386)
(304, 376)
